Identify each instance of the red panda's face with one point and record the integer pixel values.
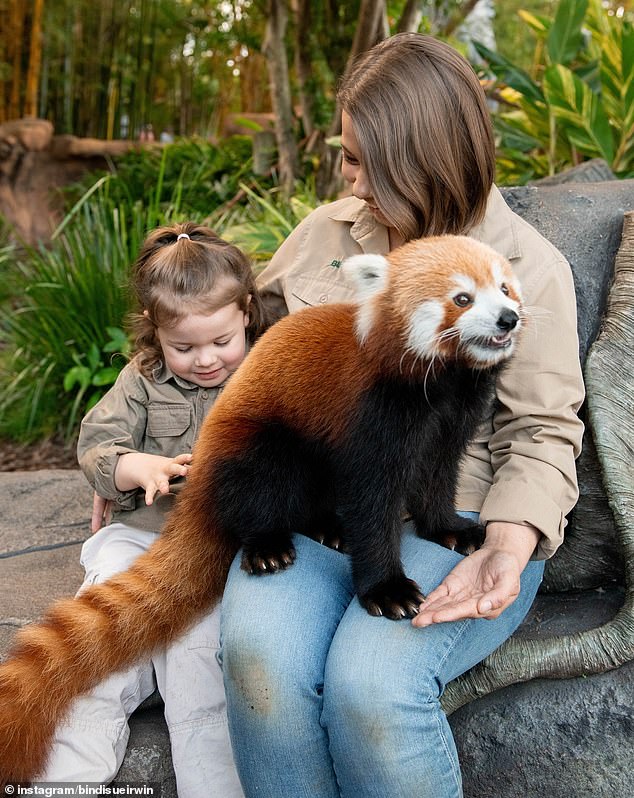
(446, 298)
(474, 317)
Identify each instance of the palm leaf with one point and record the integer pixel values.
(564, 37)
(510, 74)
(580, 112)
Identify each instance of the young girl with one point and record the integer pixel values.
(198, 313)
(356, 709)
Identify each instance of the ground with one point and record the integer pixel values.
(35, 456)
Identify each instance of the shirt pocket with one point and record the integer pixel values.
(168, 420)
(323, 288)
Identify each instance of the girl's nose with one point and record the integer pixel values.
(206, 357)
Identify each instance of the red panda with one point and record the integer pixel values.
(341, 418)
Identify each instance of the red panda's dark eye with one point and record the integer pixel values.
(462, 300)
(504, 289)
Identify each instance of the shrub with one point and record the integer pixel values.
(61, 338)
(579, 101)
(64, 299)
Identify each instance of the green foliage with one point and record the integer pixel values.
(97, 370)
(195, 175)
(66, 300)
(578, 104)
(263, 222)
(62, 316)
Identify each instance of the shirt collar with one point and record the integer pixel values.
(371, 236)
(162, 373)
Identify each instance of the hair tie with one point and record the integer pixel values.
(182, 235)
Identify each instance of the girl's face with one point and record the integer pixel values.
(352, 170)
(205, 348)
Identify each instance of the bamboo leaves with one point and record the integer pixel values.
(617, 81)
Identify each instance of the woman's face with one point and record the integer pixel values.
(352, 170)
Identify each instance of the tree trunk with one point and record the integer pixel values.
(69, 62)
(111, 80)
(35, 60)
(15, 51)
(303, 64)
(370, 30)
(458, 17)
(411, 17)
(274, 50)
(4, 25)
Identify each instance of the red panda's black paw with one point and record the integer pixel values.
(332, 540)
(466, 540)
(260, 561)
(394, 598)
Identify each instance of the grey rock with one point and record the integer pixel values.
(148, 760)
(593, 171)
(562, 738)
(43, 508)
(584, 221)
(568, 738)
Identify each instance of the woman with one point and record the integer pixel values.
(323, 699)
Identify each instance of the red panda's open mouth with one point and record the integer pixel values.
(503, 341)
(499, 341)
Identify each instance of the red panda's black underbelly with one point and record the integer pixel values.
(402, 449)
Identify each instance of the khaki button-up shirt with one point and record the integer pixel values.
(162, 415)
(520, 467)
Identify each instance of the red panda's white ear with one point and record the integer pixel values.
(368, 273)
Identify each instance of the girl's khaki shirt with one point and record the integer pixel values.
(162, 415)
(521, 466)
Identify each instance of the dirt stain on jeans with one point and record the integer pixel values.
(251, 681)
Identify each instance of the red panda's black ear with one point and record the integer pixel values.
(368, 273)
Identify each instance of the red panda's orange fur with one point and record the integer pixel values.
(296, 372)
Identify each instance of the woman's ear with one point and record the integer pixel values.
(247, 317)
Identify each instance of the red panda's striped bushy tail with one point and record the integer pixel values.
(108, 627)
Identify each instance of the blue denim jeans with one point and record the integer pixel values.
(325, 701)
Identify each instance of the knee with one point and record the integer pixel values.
(360, 692)
(357, 689)
(263, 675)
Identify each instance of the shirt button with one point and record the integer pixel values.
(205, 395)
(323, 299)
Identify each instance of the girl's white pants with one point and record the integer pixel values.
(90, 745)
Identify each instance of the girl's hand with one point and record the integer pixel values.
(152, 472)
(101, 512)
(486, 582)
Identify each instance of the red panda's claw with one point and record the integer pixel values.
(394, 598)
(259, 561)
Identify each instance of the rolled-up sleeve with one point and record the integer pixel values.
(536, 431)
(114, 426)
